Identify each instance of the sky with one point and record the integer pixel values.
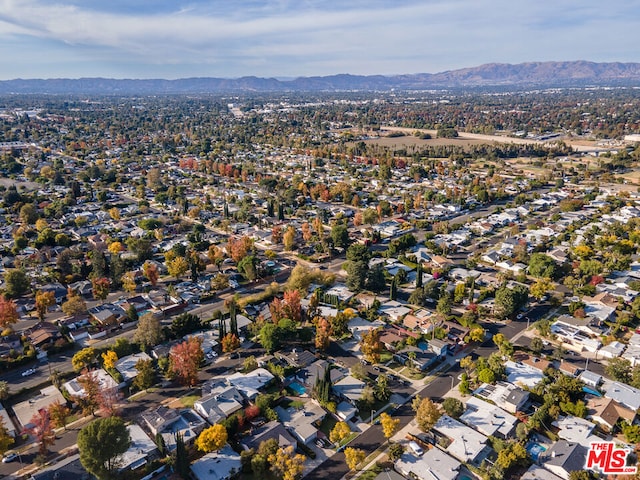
(291, 38)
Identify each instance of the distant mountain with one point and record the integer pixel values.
(535, 74)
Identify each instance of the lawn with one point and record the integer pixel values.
(188, 400)
(327, 424)
(386, 356)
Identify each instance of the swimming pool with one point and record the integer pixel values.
(297, 388)
(535, 449)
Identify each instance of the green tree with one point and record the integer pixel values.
(542, 266)
(619, 369)
(16, 282)
(270, 337)
(146, 376)
(101, 443)
(453, 407)
(340, 235)
(6, 440)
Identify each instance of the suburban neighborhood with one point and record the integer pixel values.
(278, 288)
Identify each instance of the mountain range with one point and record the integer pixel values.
(507, 76)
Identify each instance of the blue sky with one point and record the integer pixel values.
(290, 38)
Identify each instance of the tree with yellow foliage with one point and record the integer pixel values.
(44, 300)
(212, 439)
(389, 425)
(177, 267)
(354, 457)
(339, 432)
(115, 248)
(109, 359)
(289, 238)
(285, 464)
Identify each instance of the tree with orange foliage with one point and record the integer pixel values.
(8, 312)
(307, 234)
(238, 248)
(292, 305)
(230, 342)
(109, 402)
(276, 234)
(151, 272)
(322, 334)
(185, 359)
(101, 287)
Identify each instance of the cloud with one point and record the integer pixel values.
(287, 37)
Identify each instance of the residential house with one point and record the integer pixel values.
(576, 429)
(221, 465)
(358, 326)
(488, 419)
(303, 423)
(564, 457)
(101, 377)
(140, 451)
(127, 365)
(505, 395)
(520, 374)
(612, 350)
(250, 384)
(296, 358)
(310, 375)
(7, 422)
(590, 378)
(466, 444)
(349, 388)
(10, 345)
(607, 412)
(219, 404)
(26, 410)
(421, 359)
(536, 472)
(273, 429)
(622, 393)
(69, 468)
(433, 464)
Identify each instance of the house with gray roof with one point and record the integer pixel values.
(564, 457)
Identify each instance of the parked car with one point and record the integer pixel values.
(28, 372)
(9, 457)
(415, 448)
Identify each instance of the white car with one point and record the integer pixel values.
(9, 457)
(417, 449)
(29, 372)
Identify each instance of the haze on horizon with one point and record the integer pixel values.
(292, 38)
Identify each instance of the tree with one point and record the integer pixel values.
(83, 358)
(184, 324)
(177, 267)
(289, 238)
(28, 214)
(44, 300)
(486, 375)
(510, 456)
(540, 288)
(339, 432)
(389, 425)
(508, 301)
(354, 457)
(59, 414)
(149, 332)
(383, 392)
(395, 451)
(101, 287)
(285, 464)
(357, 266)
(151, 272)
(101, 443)
(542, 266)
(185, 359)
(371, 346)
(212, 439)
(109, 359)
(8, 312)
(619, 369)
(6, 440)
(536, 345)
(340, 235)
(16, 282)
(453, 407)
(129, 282)
(443, 306)
(146, 376)
(75, 304)
(42, 429)
(92, 396)
(4, 390)
(270, 337)
(427, 412)
(322, 335)
(230, 342)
